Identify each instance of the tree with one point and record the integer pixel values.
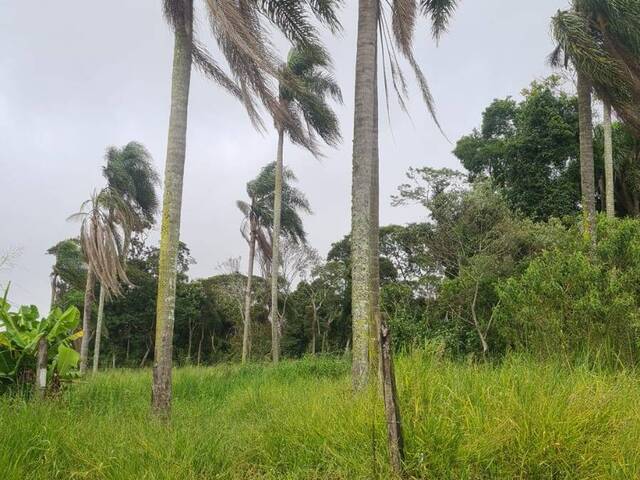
(601, 39)
(529, 149)
(257, 225)
(132, 180)
(242, 39)
(307, 82)
(100, 235)
(69, 270)
(365, 221)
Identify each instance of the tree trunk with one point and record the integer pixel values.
(608, 161)
(41, 367)
(246, 334)
(275, 257)
(171, 210)
(86, 320)
(190, 343)
(586, 159)
(96, 344)
(363, 162)
(54, 293)
(314, 322)
(200, 344)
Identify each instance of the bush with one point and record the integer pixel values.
(578, 303)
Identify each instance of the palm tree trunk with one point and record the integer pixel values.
(608, 161)
(171, 210)
(54, 281)
(314, 322)
(363, 162)
(246, 347)
(96, 344)
(275, 257)
(586, 159)
(86, 320)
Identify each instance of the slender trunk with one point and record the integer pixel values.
(145, 356)
(96, 345)
(275, 257)
(113, 360)
(608, 161)
(86, 320)
(586, 159)
(41, 366)
(363, 158)
(171, 210)
(128, 347)
(200, 344)
(314, 322)
(54, 281)
(246, 345)
(190, 343)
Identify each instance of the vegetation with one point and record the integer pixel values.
(519, 419)
(513, 304)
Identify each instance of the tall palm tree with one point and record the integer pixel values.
(305, 86)
(373, 23)
(100, 239)
(237, 26)
(258, 224)
(396, 36)
(132, 203)
(601, 39)
(129, 170)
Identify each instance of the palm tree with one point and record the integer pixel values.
(258, 223)
(305, 86)
(133, 203)
(243, 40)
(100, 238)
(398, 36)
(601, 39)
(130, 172)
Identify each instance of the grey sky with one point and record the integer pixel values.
(79, 75)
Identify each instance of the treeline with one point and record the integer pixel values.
(500, 265)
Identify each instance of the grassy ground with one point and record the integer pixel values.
(300, 421)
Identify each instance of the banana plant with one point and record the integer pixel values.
(20, 334)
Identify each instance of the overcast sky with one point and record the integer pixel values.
(77, 76)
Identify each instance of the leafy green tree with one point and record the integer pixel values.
(304, 89)
(258, 223)
(530, 150)
(243, 41)
(132, 203)
(69, 271)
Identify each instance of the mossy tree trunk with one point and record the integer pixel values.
(587, 174)
(99, 321)
(364, 149)
(171, 210)
(86, 320)
(246, 339)
(275, 257)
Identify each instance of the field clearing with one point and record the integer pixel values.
(300, 420)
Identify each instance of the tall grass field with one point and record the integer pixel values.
(300, 420)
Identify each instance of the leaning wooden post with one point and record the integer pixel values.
(41, 367)
(395, 439)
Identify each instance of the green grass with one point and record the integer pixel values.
(300, 421)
